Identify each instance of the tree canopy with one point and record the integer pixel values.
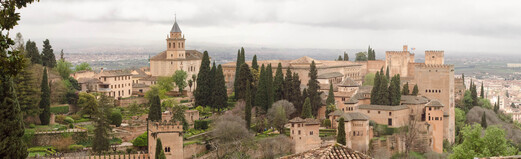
(493, 143)
(179, 79)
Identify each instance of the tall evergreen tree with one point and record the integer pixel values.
(202, 91)
(340, 58)
(375, 91)
(484, 120)
(331, 96)
(394, 90)
(240, 61)
(211, 85)
(405, 89)
(482, 94)
(45, 101)
(254, 64)
(261, 96)
(387, 73)
(463, 77)
(474, 94)
(341, 132)
(288, 85)
(48, 57)
(160, 153)
(154, 113)
(346, 56)
(415, 90)
(278, 84)
(248, 108)
(269, 85)
(102, 129)
(32, 52)
(296, 95)
(220, 98)
(27, 91)
(306, 109)
(383, 92)
(313, 88)
(243, 80)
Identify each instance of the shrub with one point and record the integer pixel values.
(32, 126)
(185, 101)
(71, 125)
(75, 147)
(75, 116)
(60, 110)
(45, 149)
(201, 124)
(59, 118)
(327, 123)
(68, 120)
(116, 118)
(141, 140)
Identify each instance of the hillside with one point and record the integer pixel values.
(512, 132)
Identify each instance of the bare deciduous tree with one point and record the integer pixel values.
(230, 137)
(279, 114)
(275, 147)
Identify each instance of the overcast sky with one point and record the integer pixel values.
(454, 26)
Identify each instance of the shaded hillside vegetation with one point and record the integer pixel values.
(512, 132)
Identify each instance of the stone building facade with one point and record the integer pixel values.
(113, 83)
(305, 134)
(171, 136)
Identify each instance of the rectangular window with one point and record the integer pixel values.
(311, 133)
(390, 122)
(299, 132)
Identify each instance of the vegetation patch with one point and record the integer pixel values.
(60, 109)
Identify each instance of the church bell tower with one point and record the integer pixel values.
(175, 43)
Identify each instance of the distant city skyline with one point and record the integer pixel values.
(481, 27)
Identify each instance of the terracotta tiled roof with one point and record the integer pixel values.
(434, 103)
(410, 99)
(305, 60)
(348, 82)
(140, 73)
(352, 100)
(383, 107)
(329, 152)
(354, 116)
(149, 78)
(190, 55)
(139, 85)
(365, 89)
(106, 73)
(330, 75)
(306, 121)
(88, 80)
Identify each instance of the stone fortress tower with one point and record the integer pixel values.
(171, 135)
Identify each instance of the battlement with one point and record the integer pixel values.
(395, 52)
(165, 126)
(434, 51)
(435, 66)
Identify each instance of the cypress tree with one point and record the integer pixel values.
(463, 77)
(484, 120)
(248, 106)
(154, 113)
(296, 97)
(237, 69)
(45, 101)
(341, 135)
(288, 85)
(254, 64)
(346, 56)
(11, 127)
(313, 88)
(415, 90)
(160, 153)
(278, 84)
(387, 73)
(101, 139)
(474, 94)
(32, 52)
(394, 90)
(261, 96)
(219, 95)
(376, 86)
(48, 57)
(211, 85)
(340, 58)
(331, 96)
(405, 89)
(383, 92)
(202, 91)
(27, 91)
(269, 85)
(306, 109)
(243, 80)
(482, 94)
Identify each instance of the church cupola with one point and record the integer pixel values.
(175, 43)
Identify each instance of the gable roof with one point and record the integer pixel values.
(350, 116)
(383, 107)
(434, 103)
(304, 60)
(410, 99)
(348, 82)
(330, 152)
(307, 121)
(330, 75)
(190, 55)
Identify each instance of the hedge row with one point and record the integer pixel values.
(201, 124)
(60, 110)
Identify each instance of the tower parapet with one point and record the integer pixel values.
(434, 57)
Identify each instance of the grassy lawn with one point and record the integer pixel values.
(33, 154)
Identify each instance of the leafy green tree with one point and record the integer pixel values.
(11, 127)
(313, 88)
(306, 110)
(278, 84)
(369, 79)
(346, 56)
(64, 68)
(279, 113)
(203, 82)
(190, 84)
(341, 132)
(484, 120)
(141, 140)
(331, 96)
(243, 80)
(493, 143)
(27, 91)
(160, 153)
(248, 108)
(254, 63)
(48, 58)
(116, 118)
(405, 89)
(361, 56)
(178, 114)
(32, 52)
(45, 100)
(467, 100)
(155, 90)
(460, 119)
(102, 129)
(415, 90)
(154, 114)
(179, 79)
(88, 104)
(83, 67)
(134, 108)
(219, 95)
(165, 83)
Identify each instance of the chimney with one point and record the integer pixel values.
(405, 48)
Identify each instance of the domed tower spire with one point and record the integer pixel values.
(175, 43)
